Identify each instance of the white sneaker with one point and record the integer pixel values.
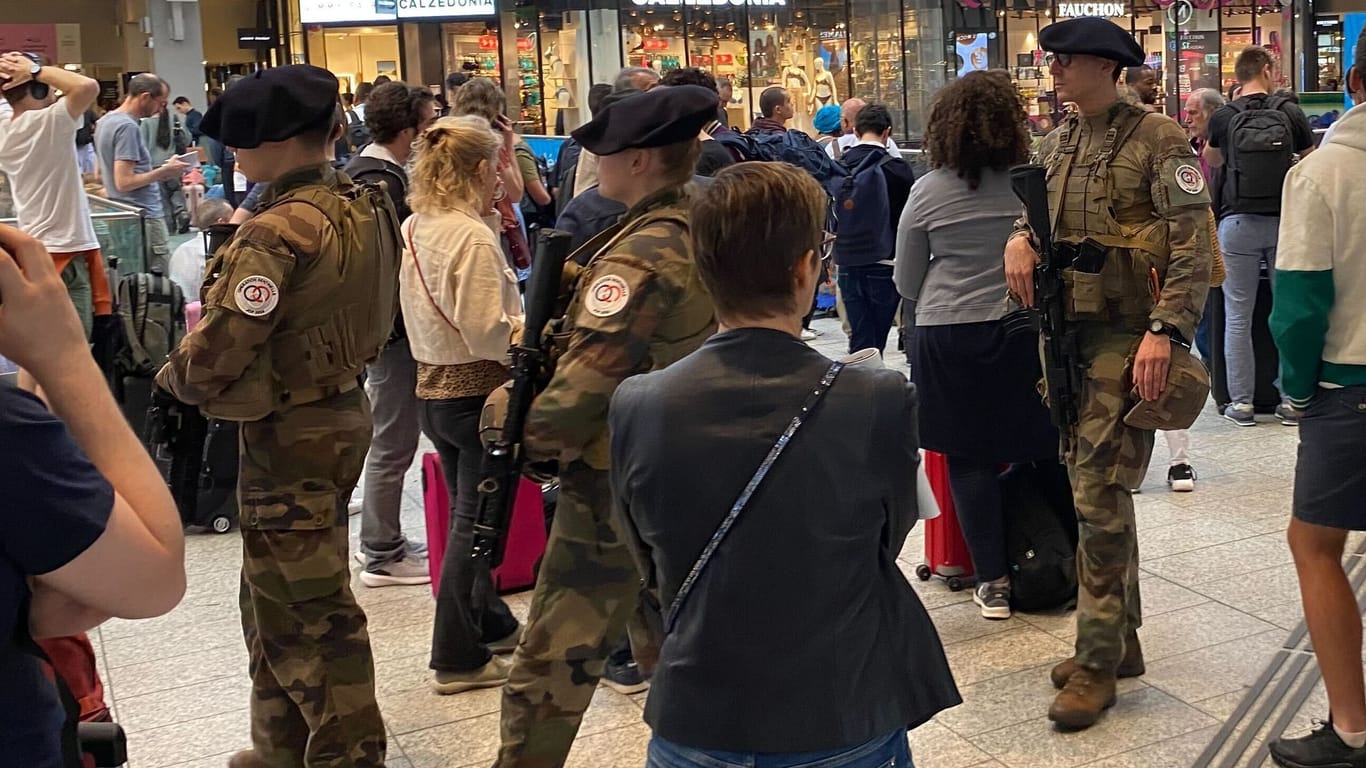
(1181, 478)
(407, 572)
(993, 597)
(810, 335)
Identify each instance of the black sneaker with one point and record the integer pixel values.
(624, 677)
(1181, 478)
(1320, 749)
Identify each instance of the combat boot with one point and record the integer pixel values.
(1086, 695)
(247, 759)
(1129, 666)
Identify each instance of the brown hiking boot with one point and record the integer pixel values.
(247, 759)
(1079, 704)
(1129, 666)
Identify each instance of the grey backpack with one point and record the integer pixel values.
(152, 311)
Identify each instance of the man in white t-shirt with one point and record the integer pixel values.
(848, 119)
(38, 153)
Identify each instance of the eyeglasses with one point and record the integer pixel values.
(1063, 60)
(827, 248)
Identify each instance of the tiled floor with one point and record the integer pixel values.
(1219, 597)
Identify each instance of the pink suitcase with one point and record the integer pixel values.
(526, 535)
(193, 311)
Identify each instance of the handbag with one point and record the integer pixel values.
(519, 250)
(657, 623)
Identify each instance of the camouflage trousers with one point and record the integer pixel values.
(313, 677)
(586, 593)
(1107, 459)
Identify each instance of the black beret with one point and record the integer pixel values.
(272, 105)
(658, 117)
(1092, 36)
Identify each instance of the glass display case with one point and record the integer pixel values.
(118, 227)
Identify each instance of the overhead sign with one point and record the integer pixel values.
(31, 38)
(250, 38)
(713, 3)
(340, 11)
(433, 9)
(1073, 10)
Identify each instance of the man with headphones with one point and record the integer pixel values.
(38, 153)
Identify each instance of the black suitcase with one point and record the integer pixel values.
(198, 458)
(1265, 397)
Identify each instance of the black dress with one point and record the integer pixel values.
(979, 395)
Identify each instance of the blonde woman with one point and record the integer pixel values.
(461, 307)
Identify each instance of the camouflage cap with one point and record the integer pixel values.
(272, 105)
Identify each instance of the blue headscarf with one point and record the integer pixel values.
(827, 119)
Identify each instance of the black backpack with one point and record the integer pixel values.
(1260, 149)
(793, 146)
(357, 135)
(1041, 535)
(566, 168)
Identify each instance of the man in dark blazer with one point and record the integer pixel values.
(802, 636)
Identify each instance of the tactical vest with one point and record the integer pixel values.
(678, 334)
(338, 311)
(1080, 196)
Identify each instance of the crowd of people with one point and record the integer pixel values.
(370, 294)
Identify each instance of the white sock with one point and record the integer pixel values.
(1353, 740)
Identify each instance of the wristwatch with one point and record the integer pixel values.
(1160, 328)
(35, 67)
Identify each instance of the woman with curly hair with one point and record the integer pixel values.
(978, 403)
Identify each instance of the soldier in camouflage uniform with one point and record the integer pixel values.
(638, 306)
(295, 305)
(1126, 182)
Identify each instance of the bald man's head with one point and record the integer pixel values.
(849, 114)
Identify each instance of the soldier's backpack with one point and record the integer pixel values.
(861, 209)
(794, 147)
(1260, 149)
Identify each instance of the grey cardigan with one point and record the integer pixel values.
(950, 247)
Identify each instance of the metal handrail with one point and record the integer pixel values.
(122, 209)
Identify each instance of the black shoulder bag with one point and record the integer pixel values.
(658, 624)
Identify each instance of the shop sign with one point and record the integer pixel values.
(419, 9)
(525, 44)
(488, 43)
(654, 44)
(713, 3)
(30, 38)
(1073, 10)
(336, 11)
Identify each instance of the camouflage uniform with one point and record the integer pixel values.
(639, 306)
(1128, 180)
(286, 367)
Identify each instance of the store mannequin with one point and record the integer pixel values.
(823, 91)
(798, 85)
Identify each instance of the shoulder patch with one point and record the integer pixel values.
(257, 295)
(607, 296)
(1189, 179)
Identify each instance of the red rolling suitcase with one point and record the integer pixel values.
(526, 534)
(946, 552)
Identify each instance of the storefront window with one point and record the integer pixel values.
(355, 54)
(564, 70)
(923, 28)
(875, 57)
(654, 38)
(471, 47)
(1328, 39)
(717, 43)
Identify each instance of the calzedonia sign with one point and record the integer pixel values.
(713, 3)
(430, 9)
(1073, 10)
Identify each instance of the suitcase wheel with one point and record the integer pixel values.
(221, 524)
(955, 584)
(923, 572)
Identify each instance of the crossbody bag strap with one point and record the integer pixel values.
(423, 279)
(812, 400)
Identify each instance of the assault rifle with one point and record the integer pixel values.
(531, 368)
(1061, 347)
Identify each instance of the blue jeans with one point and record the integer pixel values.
(870, 302)
(1247, 240)
(890, 751)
